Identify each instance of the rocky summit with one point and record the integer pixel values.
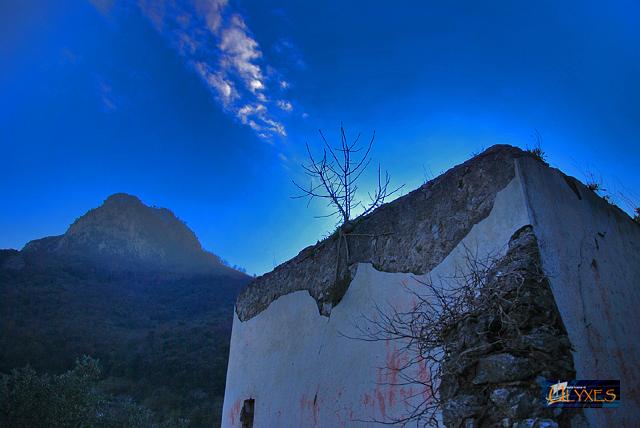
(125, 234)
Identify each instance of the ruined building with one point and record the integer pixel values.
(564, 301)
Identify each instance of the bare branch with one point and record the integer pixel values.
(336, 175)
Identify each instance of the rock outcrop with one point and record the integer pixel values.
(125, 234)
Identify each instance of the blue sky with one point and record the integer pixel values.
(204, 106)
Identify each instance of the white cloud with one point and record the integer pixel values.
(240, 52)
(256, 85)
(216, 81)
(155, 12)
(256, 116)
(103, 6)
(108, 100)
(249, 110)
(186, 45)
(220, 47)
(254, 125)
(276, 127)
(285, 105)
(212, 11)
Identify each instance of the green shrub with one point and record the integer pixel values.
(71, 399)
(536, 151)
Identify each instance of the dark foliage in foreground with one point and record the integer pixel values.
(72, 399)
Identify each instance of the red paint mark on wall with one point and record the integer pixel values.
(303, 403)
(367, 400)
(234, 412)
(406, 394)
(341, 420)
(310, 408)
(394, 364)
(381, 403)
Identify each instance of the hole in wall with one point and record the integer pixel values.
(246, 414)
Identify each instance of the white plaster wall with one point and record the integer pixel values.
(591, 253)
(300, 369)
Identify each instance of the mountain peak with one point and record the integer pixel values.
(122, 199)
(125, 234)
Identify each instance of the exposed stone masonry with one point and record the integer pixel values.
(499, 357)
(413, 234)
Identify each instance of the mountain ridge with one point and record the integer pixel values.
(125, 234)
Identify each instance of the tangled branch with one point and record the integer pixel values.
(427, 333)
(334, 177)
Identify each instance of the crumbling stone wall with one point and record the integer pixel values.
(413, 234)
(499, 356)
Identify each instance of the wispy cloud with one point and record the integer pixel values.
(218, 45)
(285, 105)
(103, 6)
(109, 101)
(218, 82)
(286, 48)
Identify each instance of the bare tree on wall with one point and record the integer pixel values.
(335, 174)
(334, 178)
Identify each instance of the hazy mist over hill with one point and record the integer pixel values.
(130, 285)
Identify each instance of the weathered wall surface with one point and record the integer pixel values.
(301, 370)
(413, 234)
(289, 352)
(591, 254)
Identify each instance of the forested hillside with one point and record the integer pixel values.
(161, 334)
